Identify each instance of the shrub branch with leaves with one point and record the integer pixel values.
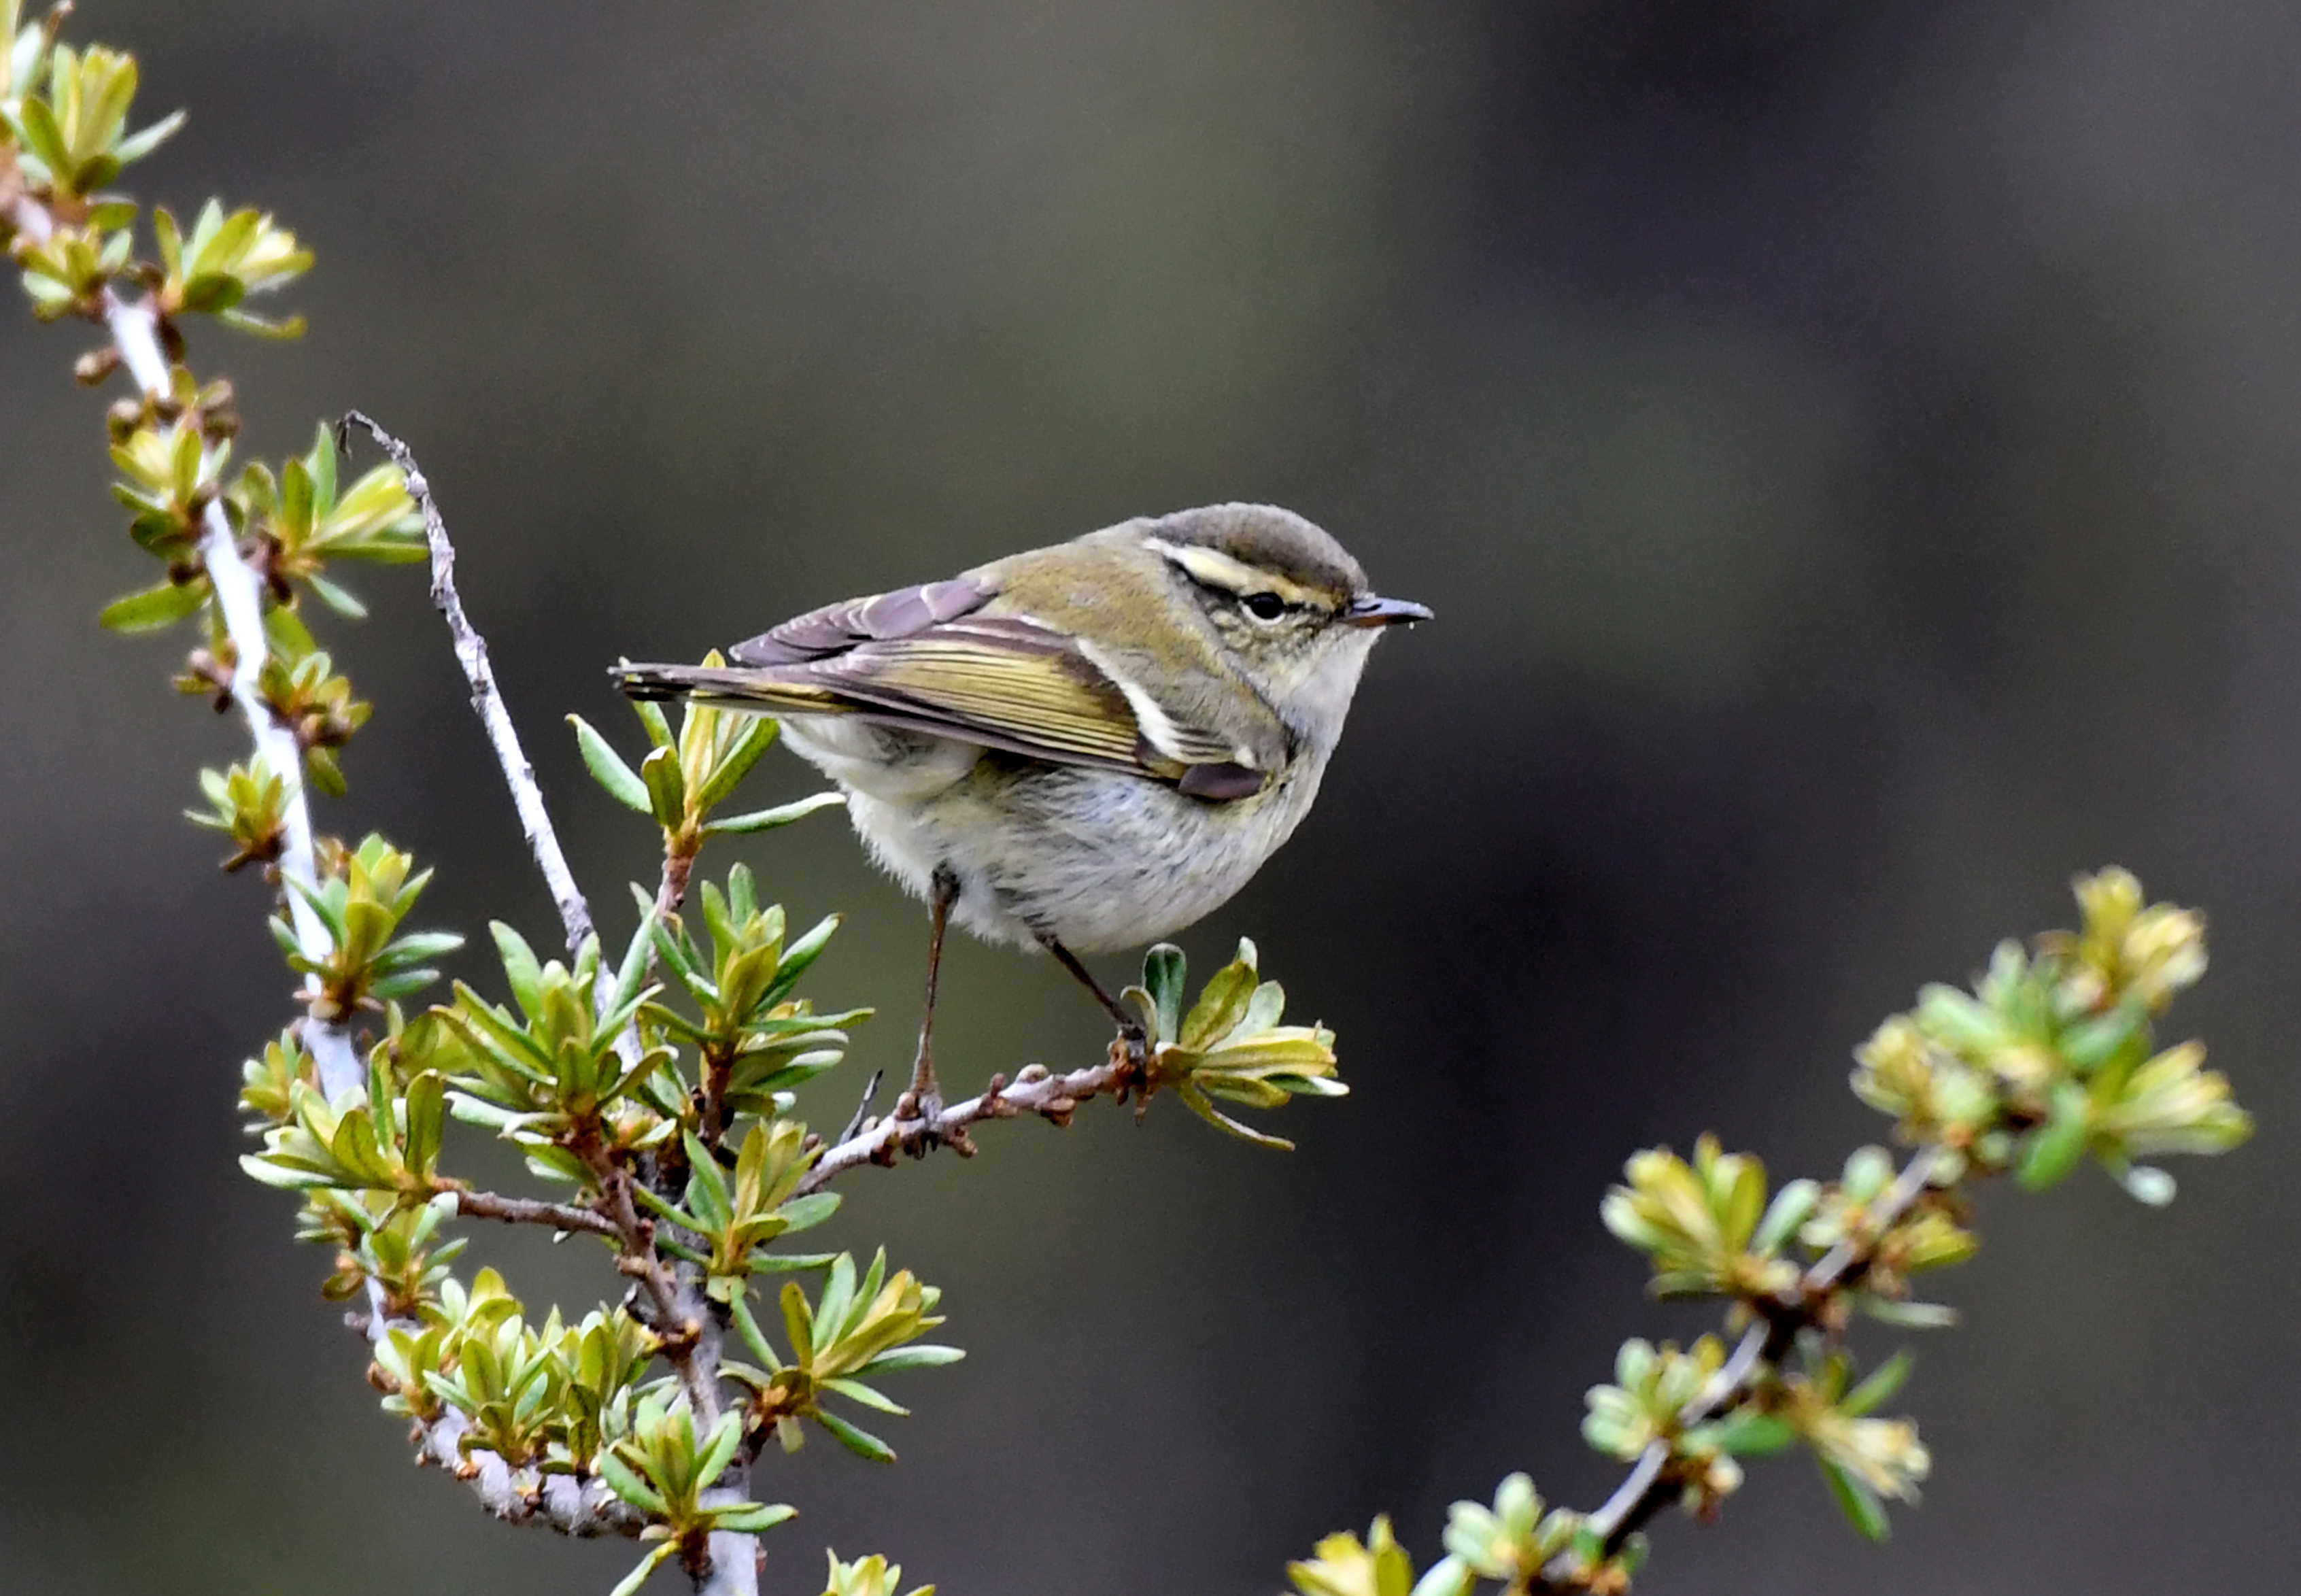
(2051, 1058)
(652, 1094)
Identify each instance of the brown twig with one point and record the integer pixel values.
(679, 852)
(1035, 1090)
(528, 1210)
(678, 1323)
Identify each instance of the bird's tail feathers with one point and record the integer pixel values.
(725, 686)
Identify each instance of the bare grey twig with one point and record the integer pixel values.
(583, 1508)
(487, 697)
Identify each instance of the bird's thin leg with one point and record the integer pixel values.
(925, 1092)
(1130, 1029)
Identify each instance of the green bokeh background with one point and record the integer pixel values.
(1849, 448)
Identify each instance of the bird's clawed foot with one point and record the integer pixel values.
(921, 1104)
(1130, 1048)
(1130, 1055)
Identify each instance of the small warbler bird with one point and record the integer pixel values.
(1083, 748)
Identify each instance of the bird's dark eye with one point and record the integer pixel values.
(1264, 606)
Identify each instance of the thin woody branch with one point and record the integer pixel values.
(682, 1319)
(528, 1210)
(678, 865)
(1035, 1090)
(487, 697)
(582, 1506)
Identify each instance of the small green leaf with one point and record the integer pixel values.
(1196, 1103)
(631, 1582)
(1748, 1435)
(757, 735)
(1909, 1315)
(626, 1483)
(1881, 1384)
(136, 145)
(767, 820)
(921, 1355)
(337, 599)
(667, 788)
(607, 768)
(1790, 1209)
(153, 607)
(805, 1213)
(1856, 1499)
(755, 1518)
(1164, 973)
(861, 1442)
(2053, 1149)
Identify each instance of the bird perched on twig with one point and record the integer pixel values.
(1082, 747)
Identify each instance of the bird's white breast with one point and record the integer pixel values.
(1098, 859)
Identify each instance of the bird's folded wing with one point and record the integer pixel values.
(1000, 681)
(836, 627)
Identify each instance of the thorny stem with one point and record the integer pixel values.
(1648, 1487)
(134, 330)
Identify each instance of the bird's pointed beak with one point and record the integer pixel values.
(1368, 610)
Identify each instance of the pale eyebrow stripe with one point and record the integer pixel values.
(1216, 570)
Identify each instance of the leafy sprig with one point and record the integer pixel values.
(2048, 1060)
(855, 1332)
(1230, 1045)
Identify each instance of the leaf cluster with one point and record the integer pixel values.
(2051, 1059)
(1229, 1045)
(856, 1331)
(369, 961)
(868, 1576)
(73, 138)
(664, 1468)
(756, 1038)
(735, 1219)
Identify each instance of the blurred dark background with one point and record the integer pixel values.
(1848, 447)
